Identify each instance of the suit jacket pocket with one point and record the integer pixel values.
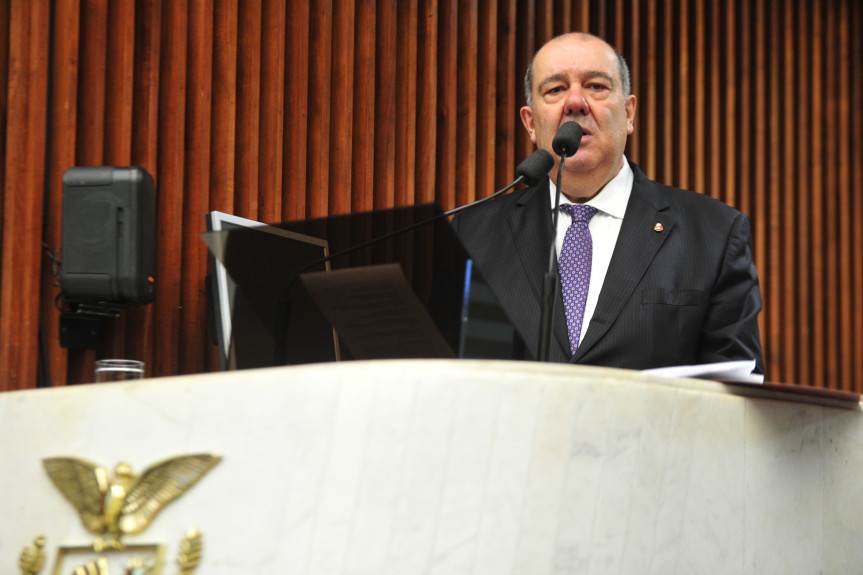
(674, 320)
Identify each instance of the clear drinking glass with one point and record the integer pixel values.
(118, 370)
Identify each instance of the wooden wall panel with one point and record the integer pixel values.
(320, 74)
(23, 185)
(284, 110)
(247, 199)
(855, 152)
(363, 144)
(405, 124)
(196, 196)
(170, 180)
(426, 102)
(386, 86)
(342, 111)
(296, 143)
(140, 323)
(270, 150)
(61, 151)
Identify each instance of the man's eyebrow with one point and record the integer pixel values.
(593, 74)
(588, 75)
(550, 80)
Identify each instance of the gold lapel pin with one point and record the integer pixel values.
(658, 227)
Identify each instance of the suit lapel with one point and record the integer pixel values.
(531, 227)
(636, 247)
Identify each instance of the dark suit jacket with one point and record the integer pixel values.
(685, 295)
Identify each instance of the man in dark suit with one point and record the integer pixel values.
(670, 272)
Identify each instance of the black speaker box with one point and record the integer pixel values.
(109, 235)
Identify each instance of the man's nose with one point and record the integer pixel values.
(576, 104)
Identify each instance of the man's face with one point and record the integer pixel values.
(578, 79)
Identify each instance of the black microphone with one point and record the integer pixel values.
(565, 144)
(530, 171)
(567, 140)
(535, 167)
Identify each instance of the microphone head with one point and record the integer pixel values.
(567, 140)
(535, 167)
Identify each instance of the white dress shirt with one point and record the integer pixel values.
(610, 203)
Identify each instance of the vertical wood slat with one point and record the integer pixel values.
(64, 108)
(406, 99)
(787, 353)
(341, 112)
(90, 142)
(466, 122)
(486, 92)
(93, 63)
(272, 110)
(385, 106)
(362, 177)
(648, 67)
(119, 93)
(246, 201)
(224, 107)
(526, 43)
(196, 196)
(814, 222)
(5, 24)
(844, 348)
(771, 170)
(440, 121)
(119, 82)
(447, 104)
(666, 83)
(831, 205)
(363, 149)
(856, 151)
(320, 71)
(23, 191)
(758, 181)
(801, 116)
(743, 117)
(635, 42)
(296, 142)
(701, 97)
(145, 131)
(169, 200)
(427, 98)
(715, 93)
(508, 86)
(728, 108)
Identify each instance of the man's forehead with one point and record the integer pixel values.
(574, 50)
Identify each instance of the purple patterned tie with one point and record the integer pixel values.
(574, 264)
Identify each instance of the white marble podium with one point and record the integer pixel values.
(451, 467)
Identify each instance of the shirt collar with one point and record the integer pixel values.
(611, 199)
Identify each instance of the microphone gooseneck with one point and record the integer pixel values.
(530, 171)
(565, 144)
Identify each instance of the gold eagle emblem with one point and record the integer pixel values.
(125, 503)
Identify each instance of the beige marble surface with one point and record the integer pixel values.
(457, 467)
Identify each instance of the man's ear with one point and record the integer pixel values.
(527, 119)
(631, 104)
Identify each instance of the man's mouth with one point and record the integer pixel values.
(584, 131)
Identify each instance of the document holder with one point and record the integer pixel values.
(394, 283)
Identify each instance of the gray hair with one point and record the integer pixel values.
(623, 68)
